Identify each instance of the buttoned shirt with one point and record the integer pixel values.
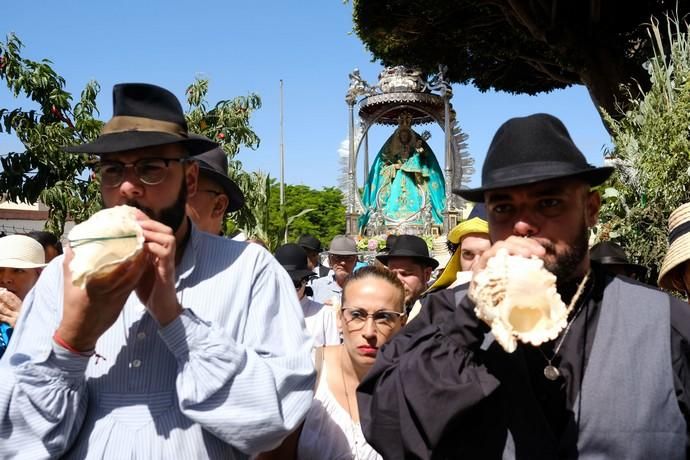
(321, 322)
(230, 377)
(326, 289)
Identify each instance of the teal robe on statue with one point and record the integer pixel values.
(398, 187)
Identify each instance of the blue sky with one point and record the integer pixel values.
(245, 47)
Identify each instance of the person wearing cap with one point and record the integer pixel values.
(312, 245)
(467, 241)
(320, 321)
(342, 257)
(674, 274)
(612, 384)
(216, 194)
(21, 261)
(409, 259)
(195, 349)
(615, 260)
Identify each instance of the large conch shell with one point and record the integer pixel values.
(517, 298)
(110, 237)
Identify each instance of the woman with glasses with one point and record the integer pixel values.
(373, 302)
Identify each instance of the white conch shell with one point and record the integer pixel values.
(517, 298)
(110, 237)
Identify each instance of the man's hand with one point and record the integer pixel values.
(88, 313)
(10, 305)
(156, 289)
(516, 246)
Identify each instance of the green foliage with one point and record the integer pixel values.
(228, 124)
(651, 152)
(62, 181)
(518, 47)
(325, 221)
(43, 170)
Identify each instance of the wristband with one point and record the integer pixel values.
(60, 341)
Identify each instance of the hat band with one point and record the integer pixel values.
(533, 169)
(124, 123)
(679, 231)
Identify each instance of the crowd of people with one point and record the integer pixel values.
(209, 347)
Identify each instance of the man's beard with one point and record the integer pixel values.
(172, 216)
(566, 264)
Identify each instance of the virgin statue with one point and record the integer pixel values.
(404, 181)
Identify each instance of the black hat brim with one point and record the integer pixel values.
(235, 195)
(132, 140)
(593, 176)
(429, 261)
(296, 275)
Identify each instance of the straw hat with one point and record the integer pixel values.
(670, 276)
(21, 251)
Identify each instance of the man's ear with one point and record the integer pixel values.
(220, 205)
(593, 205)
(427, 274)
(191, 177)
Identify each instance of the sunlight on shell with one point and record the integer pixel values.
(517, 298)
(97, 246)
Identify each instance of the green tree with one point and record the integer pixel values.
(518, 46)
(325, 221)
(43, 170)
(227, 122)
(652, 152)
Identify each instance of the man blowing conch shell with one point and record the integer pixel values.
(609, 379)
(183, 345)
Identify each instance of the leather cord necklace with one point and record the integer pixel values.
(551, 372)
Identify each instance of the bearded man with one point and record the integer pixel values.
(195, 350)
(613, 384)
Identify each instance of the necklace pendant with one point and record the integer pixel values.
(551, 372)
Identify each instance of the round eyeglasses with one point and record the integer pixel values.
(150, 171)
(356, 318)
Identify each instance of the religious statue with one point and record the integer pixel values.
(404, 179)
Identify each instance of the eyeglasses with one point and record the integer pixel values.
(338, 258)
(356, 318)
(150, 171)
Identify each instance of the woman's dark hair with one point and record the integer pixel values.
(46, 239)
(372, 271)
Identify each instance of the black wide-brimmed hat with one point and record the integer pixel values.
(532, 149)
(143, 116)
(610, 253)
(409, 246)
(294, 259)
(214, 165)
(309, 242)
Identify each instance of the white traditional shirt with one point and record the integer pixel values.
(321, 322)
(230, 377)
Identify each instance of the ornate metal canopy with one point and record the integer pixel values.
(404, 90)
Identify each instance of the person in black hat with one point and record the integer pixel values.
(312, 245)
(198, 341)
(216, 194)
(449, 390)
(614, 259)
(321, 322)
(409, 259)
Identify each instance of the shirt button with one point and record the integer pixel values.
(141, 335)
(136, 363)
